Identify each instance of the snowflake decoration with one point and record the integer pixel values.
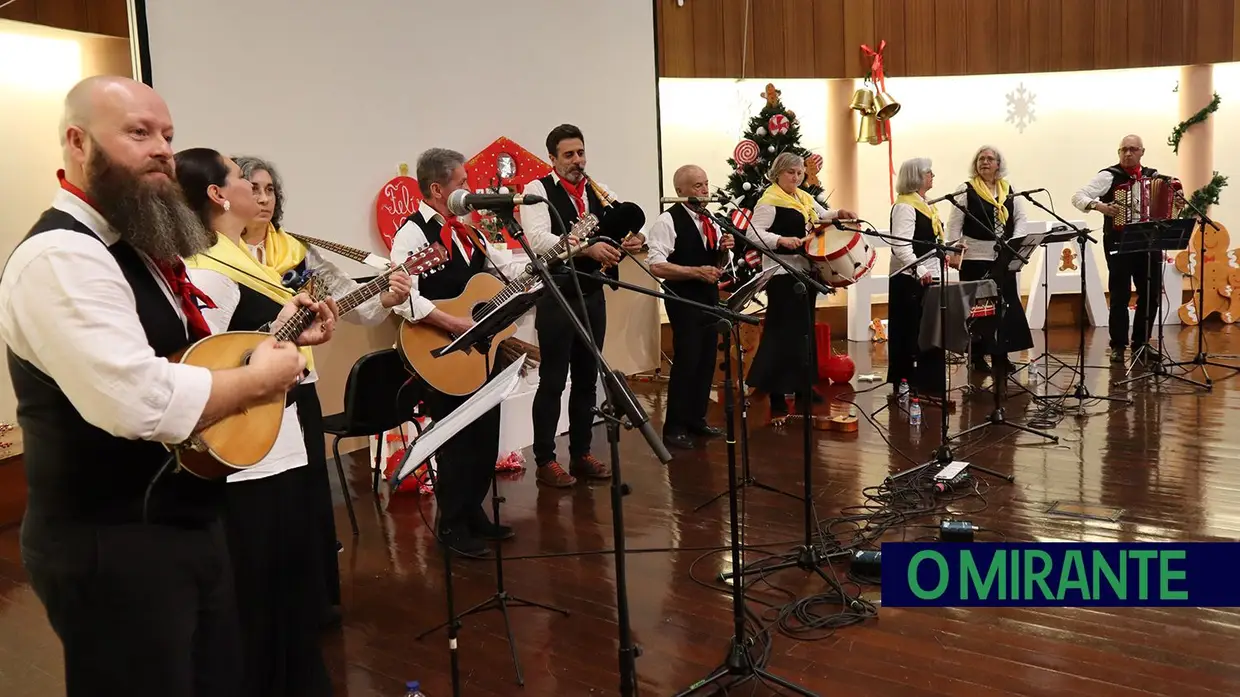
(1020, 107)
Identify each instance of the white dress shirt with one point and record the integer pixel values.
(289, 450)
(410, 238)
(903, 223)
(66, 307)
(760, 234)
(981, 250)
(337, 283)
(661, 238)
(536, 220)
(1090, 194)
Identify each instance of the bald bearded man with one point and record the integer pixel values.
(1142, 269)
(685, 247)
(125, 551)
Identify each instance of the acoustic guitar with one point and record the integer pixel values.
(240, 441)
(462, 372)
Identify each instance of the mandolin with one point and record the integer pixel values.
(240, 441)
(463, 372)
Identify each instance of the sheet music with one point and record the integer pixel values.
(489, 396)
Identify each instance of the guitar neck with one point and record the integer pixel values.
(343, 250)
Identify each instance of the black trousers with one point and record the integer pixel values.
(564, 354)
(695, 349)
(465, 464)
(990, 338)
(310, 414)
(924, 370)
(781, 363)
(1143, 271)
(140, 609)
(277, 563)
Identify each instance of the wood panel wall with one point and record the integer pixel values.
(822, 38)
(108, 17)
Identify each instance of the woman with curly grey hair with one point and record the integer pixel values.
(994, 216)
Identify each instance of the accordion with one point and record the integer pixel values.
(1143, 200)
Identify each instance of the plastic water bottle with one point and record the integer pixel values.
(902, 393)
(413, 689)
(914, 414)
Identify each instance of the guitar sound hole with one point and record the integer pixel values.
(245, 357)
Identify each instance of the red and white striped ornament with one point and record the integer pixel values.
(778, 125)
(746, 152)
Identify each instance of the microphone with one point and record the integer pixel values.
(940, 199)
(461, 202)
(694, 200)
(1026, 193)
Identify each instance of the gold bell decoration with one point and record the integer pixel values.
(885, 106)
(862, 100)
(869, 131)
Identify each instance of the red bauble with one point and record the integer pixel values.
(840, 368)
(397, 200)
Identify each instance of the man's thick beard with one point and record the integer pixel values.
(153, 217)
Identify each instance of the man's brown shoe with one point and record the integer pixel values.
(589, 467)
(552, 474)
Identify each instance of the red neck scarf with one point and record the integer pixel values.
(192, 299)
(708, 229)
(577, 192)
(453, 227)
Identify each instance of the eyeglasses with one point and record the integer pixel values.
(1131, 149)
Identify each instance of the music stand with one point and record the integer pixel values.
(479, 337)
(1053, 236)
(737, 302)
(1144, 238)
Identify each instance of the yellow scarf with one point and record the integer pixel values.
(234, 261)
(916, 201)
(800, 201)
(282, 251)
(982, 189)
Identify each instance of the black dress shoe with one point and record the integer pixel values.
(679, 440)
(707, 431)
(463, 543)
(487, 530)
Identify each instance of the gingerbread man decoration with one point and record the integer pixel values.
(1219, 275)
(813, 165)
(771, 94)
(1067, 261)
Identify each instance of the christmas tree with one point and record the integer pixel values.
(773, 131)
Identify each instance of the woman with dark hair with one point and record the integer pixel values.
(271, 526)
(271, 246)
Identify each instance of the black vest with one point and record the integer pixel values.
(985, 212)
(689, 250)
(1119, 177)
(559, 199)
(788, 223)
(449, 280)
(923, 236)
(77, 472)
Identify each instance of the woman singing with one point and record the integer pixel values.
(781, 222)
(994, 216)
(271, 246)
(271, 522)
(916, 221)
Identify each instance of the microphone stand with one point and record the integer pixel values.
(1202, 359)
(997, 416)
(807, 556)
(620, 409)
(1079, 392)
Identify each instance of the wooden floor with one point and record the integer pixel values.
(1169, 462)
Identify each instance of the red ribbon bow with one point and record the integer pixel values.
(454, 227)
(708, 228)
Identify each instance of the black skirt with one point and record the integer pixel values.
(277, 565)
(1014, 333)
(780, 365)
(924, 370)
(310, 413)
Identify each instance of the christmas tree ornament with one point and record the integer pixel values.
(761, 131)
(885, 106)
(779, 124)
(397, 200)
(883, 109)
(862, 100)
(770, 149)
(746, 153)
(772, 131)
(772, 96)
(869, 129)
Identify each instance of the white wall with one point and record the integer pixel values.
(337, 94)
(37, 66)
